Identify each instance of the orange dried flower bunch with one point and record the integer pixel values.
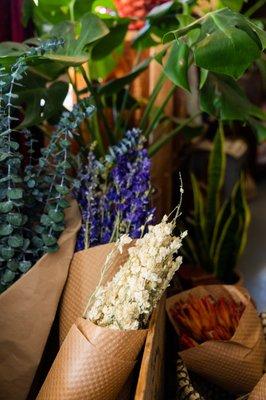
(201, 319)
(137, 8)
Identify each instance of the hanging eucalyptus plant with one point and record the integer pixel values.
(32, 192)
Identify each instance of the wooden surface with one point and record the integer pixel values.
(151, 377)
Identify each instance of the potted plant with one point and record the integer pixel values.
(217, 225)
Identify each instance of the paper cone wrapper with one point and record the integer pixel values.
(27, 311)
(259, 392)
(236, 364)
(93, 363)
(84, 275)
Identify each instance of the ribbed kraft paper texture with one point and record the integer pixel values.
(27, 311)
(93, 362)
(84, 275)
(259, 392)
(237, 364)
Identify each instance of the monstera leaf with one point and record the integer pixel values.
(227, 42)
(221, 96)
(74, 52)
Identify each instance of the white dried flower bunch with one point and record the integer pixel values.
(127, 301)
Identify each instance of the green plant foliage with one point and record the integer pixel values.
(176, 67)
(227, 42)
(32, 195)
(217, 227)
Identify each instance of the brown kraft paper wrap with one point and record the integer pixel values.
(27, 311)
(259, 392)
(236, 364)
(93, 362)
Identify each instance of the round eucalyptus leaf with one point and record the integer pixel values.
(6, 206)
(8, 276)
(15, 219)
(7, 253)
(5, 230)
(56, 215)
(15, 241)
(15, 194)
(61, 189)
(24, 266)
(13, 265)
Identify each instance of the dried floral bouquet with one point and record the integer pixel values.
(106, 341)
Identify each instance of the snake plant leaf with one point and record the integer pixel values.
(226, 250)
(227, 43)
(243, 210)
(223, 214)
(216, 172)
(176, 66)
(199, 214)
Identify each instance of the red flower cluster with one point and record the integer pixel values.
(201, 319)
(137, 9)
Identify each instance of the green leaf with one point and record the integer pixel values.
(63, 203)
(13, 265)
(51, 249)
(56, 215)
(6, 206)
(31, 183)
(5, 230)
(15, 241)
(15, 219)
(14, 145)
(7, 253)
(24, 266)
(45, 220)
(235, 5)
(15, 194)
(224, 47)
(8, 276)
(216, 173)
(242, 208)
(227, 43)
(176, 67)
(225, 254)
(106, 45)
(53, 99)
(37, 242)
(203, 77)
(61, 189)
(200, 218)
(49, 240)
(115, 85)
(221, 96)
(4, 156)
(260, 129)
